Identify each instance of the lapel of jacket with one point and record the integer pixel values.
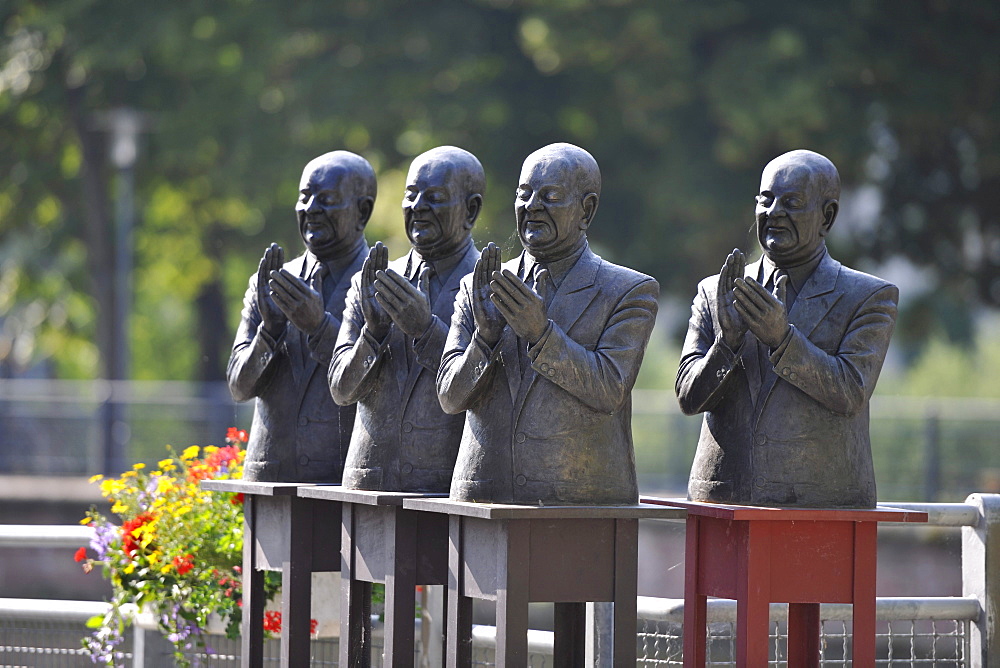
(294, 342)
(577, 290)
(815, 300)
(442, 307)
(751, 363)
(309, 365)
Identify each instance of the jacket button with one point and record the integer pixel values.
(792, 376)
(552, 372)
(303, 421)
(407, 468)
(520, 438)
(407, 427)
(760, 481)
(521, 480)
(544, 366)
(304, 460)
(785, 371)
(760, 439)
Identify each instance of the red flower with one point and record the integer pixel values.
(237, 499)
(80, 555)
(272, 621)
(234, 435)
(313, 625)
(129, 543)
(184, 564)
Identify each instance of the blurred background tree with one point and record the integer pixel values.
(682, 103)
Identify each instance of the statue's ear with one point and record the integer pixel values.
(590, 202)
(830, 209)
(365, 207)
(473, 206)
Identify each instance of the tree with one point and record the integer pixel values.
(682, 103)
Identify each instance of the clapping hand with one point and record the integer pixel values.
(764, 313)
(732, 324)
(408, 306)
(376, 317)
(521, 306)
(272, 318)
(488, 318)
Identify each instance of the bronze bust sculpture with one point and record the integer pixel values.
(544, 350)
(291, 316)
(782, 356)
(395, 325)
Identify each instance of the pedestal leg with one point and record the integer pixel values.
(803, 634)
(252, 644)
(626, 585)
(512, 596)
(753, 585)
(400, 589)
(459, 608)
(296, 587)
(695, 609)
(570, 626)
(355, 602)
(865, 560)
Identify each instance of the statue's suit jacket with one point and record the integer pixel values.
(558, 432)
(402, 439)
(298, 433)
(799, 437)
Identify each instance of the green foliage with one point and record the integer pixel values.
(681, 103)
(947, 370)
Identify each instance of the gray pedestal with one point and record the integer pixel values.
(283, 532)
(515, 555)
(383, 542)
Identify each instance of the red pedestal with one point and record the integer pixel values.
(798, 556)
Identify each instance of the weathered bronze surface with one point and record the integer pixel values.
(291, 316)
(544, 350)
(395, 325)
(782, 356)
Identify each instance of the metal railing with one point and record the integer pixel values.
(940, 631)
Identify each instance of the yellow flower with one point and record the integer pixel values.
(129, 474)
(129, 568)
(138, 466)
(119, 508)
(85, 521)
(164, 463)
(95, 478)
(190, 452)
(165, 568)
(210, 449)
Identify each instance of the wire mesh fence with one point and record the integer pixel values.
(939, 643)
(43, 643)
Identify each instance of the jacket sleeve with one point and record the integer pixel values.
(843, 380)
(707, 363)
(601, 378)
(467, 362)
(352, 373)
(429, 346)
(252, 361)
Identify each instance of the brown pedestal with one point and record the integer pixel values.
(297, 536)
(519, 554)
(798, 556)
(384, 543)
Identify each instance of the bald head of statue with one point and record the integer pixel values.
(557, 197)
(796, 206)
(443, 198)
(336, 196)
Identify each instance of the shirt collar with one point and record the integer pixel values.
(798, 274)
(557, 268)
(442, 266)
